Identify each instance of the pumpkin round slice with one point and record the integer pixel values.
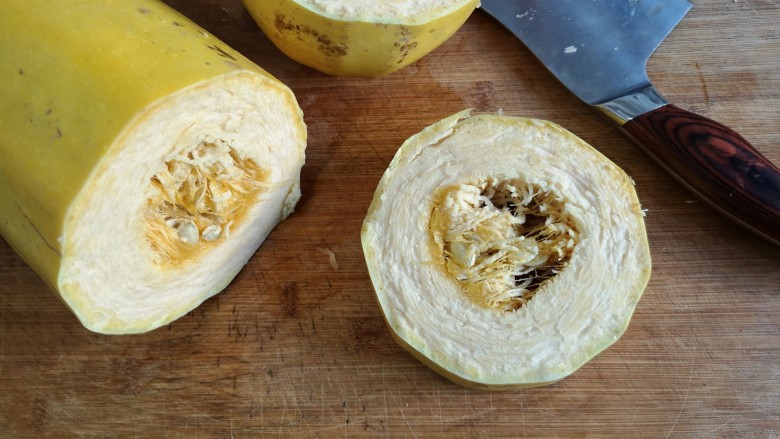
(505, 252)
(358, 37)
(142, 161)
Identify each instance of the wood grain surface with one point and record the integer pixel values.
(296, 346)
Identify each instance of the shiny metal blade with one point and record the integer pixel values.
(597, 48)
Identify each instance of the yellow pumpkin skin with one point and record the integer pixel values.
(342, 47)
(74, 75)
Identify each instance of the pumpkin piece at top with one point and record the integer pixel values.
(359, 38)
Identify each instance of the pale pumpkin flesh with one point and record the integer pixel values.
(505, 252)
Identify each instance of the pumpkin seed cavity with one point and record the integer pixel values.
(502, 240)
(196, 199)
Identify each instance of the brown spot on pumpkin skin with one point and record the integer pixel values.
(405, 44)
(29, 220)
(405, 50)
(221, 52)
(324, 43)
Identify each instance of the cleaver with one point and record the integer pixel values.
(599, 50)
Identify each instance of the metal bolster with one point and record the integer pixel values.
(631, 105)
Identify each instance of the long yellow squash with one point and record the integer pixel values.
(142, 161)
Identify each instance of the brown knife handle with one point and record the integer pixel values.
(716, 163)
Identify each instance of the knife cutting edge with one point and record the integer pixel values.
(599, 51)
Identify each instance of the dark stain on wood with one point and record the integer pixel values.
(39, 413)
(364, 334)
(703, 82)
(290, 298)
(484, 96)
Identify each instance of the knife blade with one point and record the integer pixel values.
(599, 50)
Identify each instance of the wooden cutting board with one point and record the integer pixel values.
(296, 346)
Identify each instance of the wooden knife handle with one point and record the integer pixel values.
(716, 163)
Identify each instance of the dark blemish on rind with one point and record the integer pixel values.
(221, 52)
(404, 44)
(405, 50)
(144, 11)
(48, 111)
(59, 132)
(324, 43)
(176, 23)
(21, 71)
(36, 229)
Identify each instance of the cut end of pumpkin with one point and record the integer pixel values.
(195, 184)
(519, 265)
(150, 162)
